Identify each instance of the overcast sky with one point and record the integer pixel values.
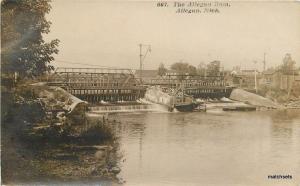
(107, 33)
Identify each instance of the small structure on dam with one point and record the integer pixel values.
(171, 99)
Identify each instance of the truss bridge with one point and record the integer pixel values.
(112, 85)
(195, 85)
(99, 84)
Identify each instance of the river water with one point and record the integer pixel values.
(212, 148)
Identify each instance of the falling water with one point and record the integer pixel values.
(127, 108)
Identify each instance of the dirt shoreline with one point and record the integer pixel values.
(28, 158)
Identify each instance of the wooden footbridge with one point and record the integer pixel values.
(112, 85)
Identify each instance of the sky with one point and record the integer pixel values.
(108, 33)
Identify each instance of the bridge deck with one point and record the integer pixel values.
(107, 84)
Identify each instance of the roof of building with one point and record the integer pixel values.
(269, 72)
(248, 70)
(147, 73)
(172, 71)
(297, 78)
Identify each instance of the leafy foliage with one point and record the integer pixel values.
(201, 70)
(161, 70)
(213, 68)
(24, 50)
(184, 68)
(288, 65)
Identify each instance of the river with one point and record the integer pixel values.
(210, 148)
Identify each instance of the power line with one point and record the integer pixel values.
(76, 63)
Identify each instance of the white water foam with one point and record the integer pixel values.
(127, 108)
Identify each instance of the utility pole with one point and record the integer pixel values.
(222, 70)
(141, 63)
(255, 80)
(142, 56)
(264, 61)
(292, 84)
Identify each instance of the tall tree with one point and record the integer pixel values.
(24, 50)
(288, 66)
(184, 68)
(213, 68)
(201, 70)
(162, 70)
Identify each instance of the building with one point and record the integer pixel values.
(271, 78)
(171, 72)
(246, 79)
(147, 75)
(278, 80)
(295, 89)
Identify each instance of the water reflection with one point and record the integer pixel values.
(210, 148)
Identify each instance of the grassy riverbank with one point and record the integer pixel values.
(35, 150)
(31, 157)
(281, 96)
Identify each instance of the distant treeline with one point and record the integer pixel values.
(211, 69)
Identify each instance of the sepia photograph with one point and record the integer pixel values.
(150, 92)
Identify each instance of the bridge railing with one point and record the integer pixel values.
(94, 70)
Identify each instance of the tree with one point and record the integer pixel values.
(288, 66)
(184, 68)
(201, 70)
(24, 50)
(162, 70)
(213, 68)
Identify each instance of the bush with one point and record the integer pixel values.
(98, 133)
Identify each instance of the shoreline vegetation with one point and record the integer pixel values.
(280, 96)
(37, 147)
